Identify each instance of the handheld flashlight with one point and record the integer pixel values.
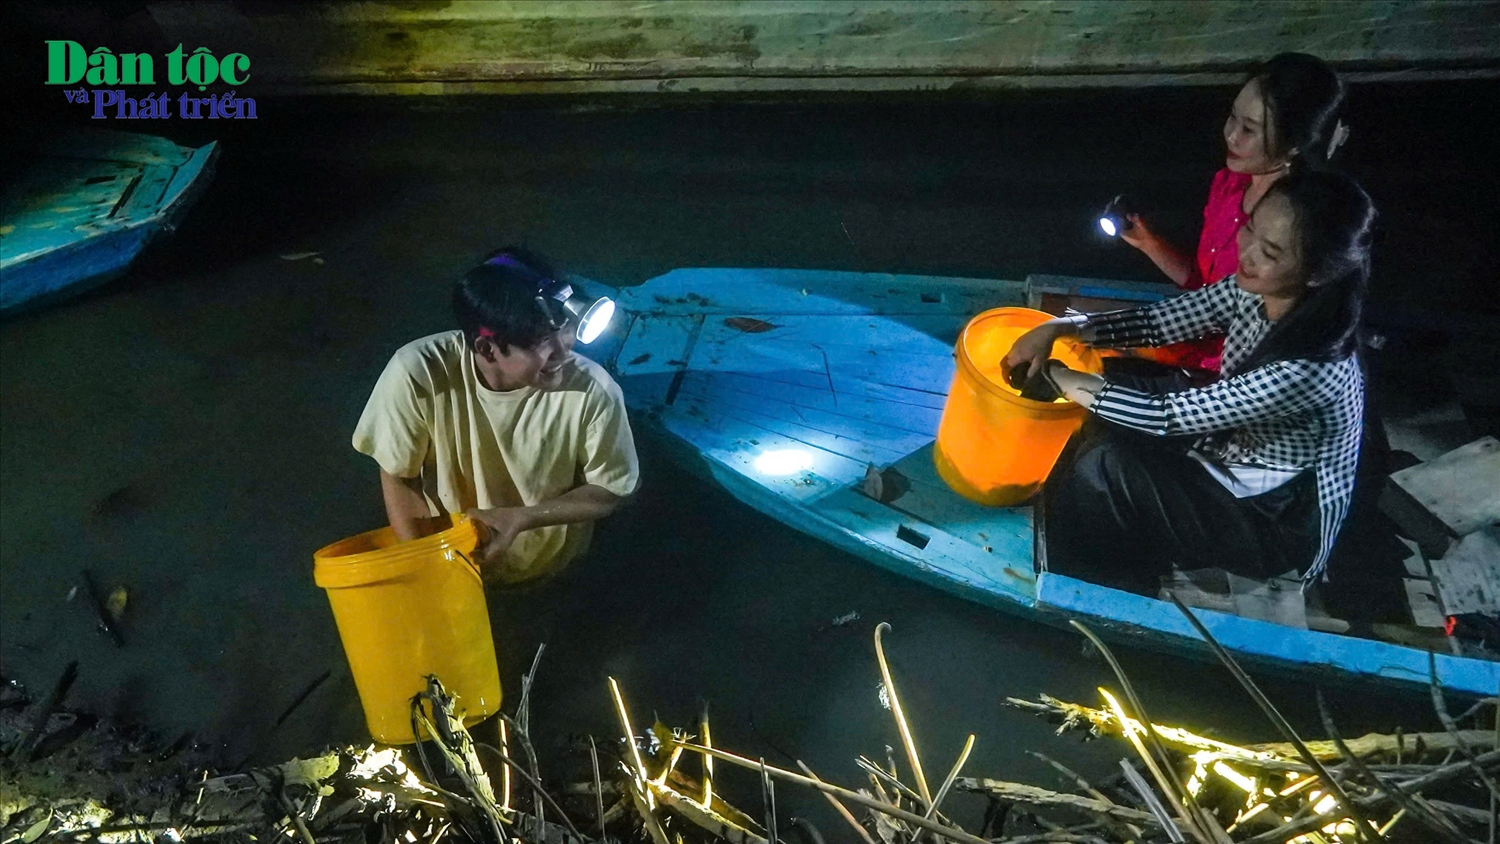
(1116, 216)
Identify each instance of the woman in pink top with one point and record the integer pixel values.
(1285, 116)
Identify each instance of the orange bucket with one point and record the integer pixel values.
(993, 446)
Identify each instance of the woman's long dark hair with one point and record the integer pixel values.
(1331, 217)
(1304, 98)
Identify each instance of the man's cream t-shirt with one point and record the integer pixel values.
(430, 415)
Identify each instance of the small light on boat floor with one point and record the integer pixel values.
(786, 461)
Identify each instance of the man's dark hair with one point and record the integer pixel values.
(1332, 217)
(501, 295)
(1303, 97)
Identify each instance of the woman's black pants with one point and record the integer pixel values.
(1121, 508)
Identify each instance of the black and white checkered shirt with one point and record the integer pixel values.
(1289, 415)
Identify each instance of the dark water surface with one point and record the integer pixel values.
(186, 430)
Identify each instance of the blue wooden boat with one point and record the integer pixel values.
(786, 386)
(76, 217)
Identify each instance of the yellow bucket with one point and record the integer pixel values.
(409, 609)
(993, 446)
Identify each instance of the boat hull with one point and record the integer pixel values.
(64, 237)
(837, 375)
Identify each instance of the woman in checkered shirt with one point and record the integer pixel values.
(1252, 473)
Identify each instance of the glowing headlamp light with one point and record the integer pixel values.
(592, 314)
(1116, 216)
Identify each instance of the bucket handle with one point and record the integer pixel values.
(482, 530)
(473, 567)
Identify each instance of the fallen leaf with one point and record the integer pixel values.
(36, 830)
(749, 325)
(115, 603)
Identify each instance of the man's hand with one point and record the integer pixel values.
(504, 524)
(587, 503)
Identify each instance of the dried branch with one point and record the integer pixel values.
(906, 738)
(843, 793)
(1363, 827)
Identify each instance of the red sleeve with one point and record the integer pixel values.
(1224, 195)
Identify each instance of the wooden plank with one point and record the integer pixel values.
(898, 442)
(983, 527)
(775, 291)
(657, 344)
(653, 357)
(740, 446)
(1426, 611)
(920, 374)
(1113, 290)
(932, 501)
(918, 419)
(820, 374)
(1461, 488)
(190, 180)
(834, 443)
(1467, 578)
(1005, 570)
(45, 205)
(145, 199)
(912, 333)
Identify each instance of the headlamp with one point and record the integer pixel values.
(1116, 216)
(592, 314)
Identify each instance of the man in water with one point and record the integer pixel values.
(502, 421)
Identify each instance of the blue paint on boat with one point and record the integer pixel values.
(79, 215)
(786, 386)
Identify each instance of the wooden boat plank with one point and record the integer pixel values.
(1004, 572)
(657, 344)
(845, 446)
(1126, 293)
(838, 383)
(918, 419)
(914, 333)
(734, 290)
(737, 445)
(850, 334)
(897, 442)
(930, 500)
(145, 198)
(44, 205)
(918, 377)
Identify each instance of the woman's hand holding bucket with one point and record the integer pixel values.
(1034, 348)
